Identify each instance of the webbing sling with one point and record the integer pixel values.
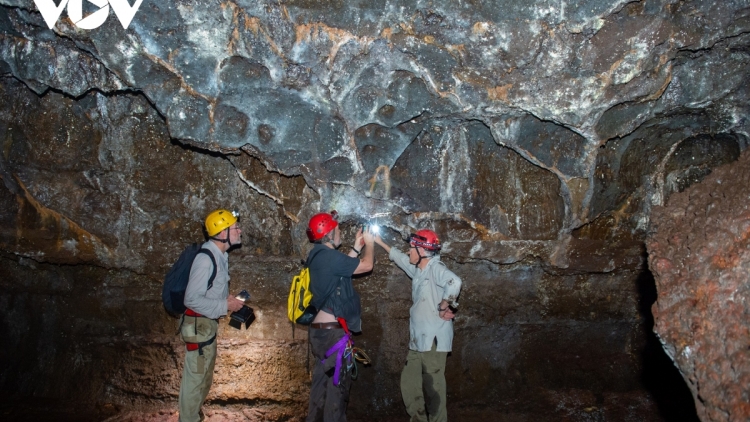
(340, 349)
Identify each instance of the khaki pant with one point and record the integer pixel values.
(423, 385)
(197, 376)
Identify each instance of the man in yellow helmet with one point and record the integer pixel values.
(206, 302)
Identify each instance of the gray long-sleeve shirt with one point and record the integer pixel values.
(429, 287)
(211, 303)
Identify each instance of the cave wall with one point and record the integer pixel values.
(535, 138)
(699, 253)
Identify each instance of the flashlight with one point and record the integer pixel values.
(375, 229)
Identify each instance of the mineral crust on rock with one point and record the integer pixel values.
(700, 255)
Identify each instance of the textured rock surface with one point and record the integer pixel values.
(334, 91)
(534, 137)
(700, 254)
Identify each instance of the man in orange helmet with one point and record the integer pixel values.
(434, 291)
(207, 299)
(335, 298)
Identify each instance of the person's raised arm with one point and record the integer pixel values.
(359, 244)
(368, 258)
(379, 241)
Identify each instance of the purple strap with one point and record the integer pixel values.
(339, 348)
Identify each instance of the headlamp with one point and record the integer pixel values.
(415, 236)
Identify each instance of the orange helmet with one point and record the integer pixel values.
(426, 239)
(321, 224)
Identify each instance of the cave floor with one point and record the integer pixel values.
(636, 410)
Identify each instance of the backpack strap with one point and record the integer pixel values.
(213, 272)
(306, 264)
(210, 284)
(189, 311)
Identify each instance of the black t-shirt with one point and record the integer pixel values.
(331, 284)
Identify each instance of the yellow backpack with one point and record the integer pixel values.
(299, 309)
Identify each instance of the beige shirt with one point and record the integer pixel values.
(429, 287)
(211, 303)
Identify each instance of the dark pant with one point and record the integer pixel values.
(327, 401)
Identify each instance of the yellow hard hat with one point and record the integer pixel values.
(219, 220)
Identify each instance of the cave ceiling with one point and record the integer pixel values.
(537, 123)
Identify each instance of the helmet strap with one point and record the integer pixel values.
(421, 257)
(223, 240)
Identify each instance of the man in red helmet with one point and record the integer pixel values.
(334, 296)
(434, 290)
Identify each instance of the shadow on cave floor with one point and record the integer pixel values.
(34, 410)
(660, 376)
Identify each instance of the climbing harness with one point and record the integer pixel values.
(346, 352)
(187, 336)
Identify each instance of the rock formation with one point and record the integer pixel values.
(701, 259)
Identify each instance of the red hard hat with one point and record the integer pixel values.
(426, 239)
(320, 225)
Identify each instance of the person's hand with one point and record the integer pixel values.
(234, 304)
(447, 314)
(368, 237)
(359, 240)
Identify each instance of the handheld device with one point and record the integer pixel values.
(243, 296)
(372, 228)
(245, 316)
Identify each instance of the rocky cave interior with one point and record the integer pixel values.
(584, 162)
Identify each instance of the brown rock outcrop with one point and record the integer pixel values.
(700, 256)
